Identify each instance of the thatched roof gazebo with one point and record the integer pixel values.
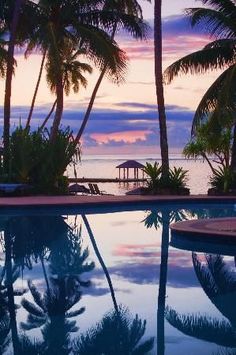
(130, 164)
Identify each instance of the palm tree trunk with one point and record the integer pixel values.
(59, 109)
(162, 285)
(36, 90)
(8, 83)
(233, 155)
(48, 116)
(105, 270)
(159, 88)
(93, 97)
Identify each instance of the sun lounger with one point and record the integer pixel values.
(98, 191)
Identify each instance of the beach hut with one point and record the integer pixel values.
(133, 165)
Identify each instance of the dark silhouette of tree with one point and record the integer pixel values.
(116, 334)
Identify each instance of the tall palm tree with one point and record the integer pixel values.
(219, 283)
(218, 19)
(159, 88)
(133, 12)
(85, 24)
(9, 74)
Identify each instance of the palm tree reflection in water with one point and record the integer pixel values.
(50, 240)
(218, 280)
(157, 219)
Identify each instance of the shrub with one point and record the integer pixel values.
(223, 179)
(177, 178)
(38, 162)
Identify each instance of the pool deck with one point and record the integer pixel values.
(105, 200)
(216, 227)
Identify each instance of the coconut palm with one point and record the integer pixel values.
(219, 21)
(72, 72)
(116, 334)
(159, 88)
(219, 283)
(84, 23)
(9, 74)
(133, 12)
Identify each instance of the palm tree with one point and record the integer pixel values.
(159, 88)
(219, 20)
(9, 73)
(133, 12)
(71, 70)
(83, 23)
(36, 90)
(219, 283)
(114, 335)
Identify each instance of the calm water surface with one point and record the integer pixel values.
(115, 283)
(105, 167)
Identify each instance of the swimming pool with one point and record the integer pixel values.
(114, 282)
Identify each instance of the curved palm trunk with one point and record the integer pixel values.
(36, 90)
(10, 292)
(162, 285)
(93, 241)
(159, 88)
(59, 109)
(8, 82)
(48, 116)
(93, 96)
(233, 156)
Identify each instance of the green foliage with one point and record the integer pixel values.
(177, 178)
(36, 161)
(213, 139)
(223, 179)
(154, 173)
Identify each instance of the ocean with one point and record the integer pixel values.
(104, 166)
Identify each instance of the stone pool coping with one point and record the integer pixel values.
(215, 227)
(80, 200)
(105, 200)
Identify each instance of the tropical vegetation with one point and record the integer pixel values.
(218, 103)
(175, 182)
(63, 32)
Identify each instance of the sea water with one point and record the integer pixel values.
(104, 166)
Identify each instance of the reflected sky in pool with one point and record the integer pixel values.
(110, 283)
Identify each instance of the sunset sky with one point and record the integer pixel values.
(124, 119)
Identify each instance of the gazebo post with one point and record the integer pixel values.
(124, 174)
(119, 173)
(137, 173)
(127, 173)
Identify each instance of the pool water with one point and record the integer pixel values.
(115, 284)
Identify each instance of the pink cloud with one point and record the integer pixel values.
(124, 136)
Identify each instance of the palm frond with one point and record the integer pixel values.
(214, 21)
(199, 62)
(203, 327)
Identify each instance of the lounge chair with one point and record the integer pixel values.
(92, 189)
(76, 188)
(98, 191)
